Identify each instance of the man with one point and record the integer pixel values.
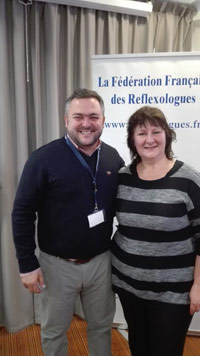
(70, 185)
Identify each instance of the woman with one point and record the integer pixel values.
(156, 249)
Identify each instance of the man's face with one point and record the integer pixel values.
(84, 122)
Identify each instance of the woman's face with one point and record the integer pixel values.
(150, 141)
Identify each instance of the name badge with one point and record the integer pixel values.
(96, 218)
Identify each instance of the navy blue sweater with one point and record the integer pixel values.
(57, 189)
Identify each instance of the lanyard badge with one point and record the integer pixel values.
(98, 216)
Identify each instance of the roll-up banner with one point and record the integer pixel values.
(169, 81)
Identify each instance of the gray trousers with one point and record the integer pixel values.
(66, 280)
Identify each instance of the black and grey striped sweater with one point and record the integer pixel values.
(158, 237)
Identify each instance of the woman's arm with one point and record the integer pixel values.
(195, 290)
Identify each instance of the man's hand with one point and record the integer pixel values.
(33, 281)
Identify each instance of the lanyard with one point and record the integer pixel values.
(85, 165)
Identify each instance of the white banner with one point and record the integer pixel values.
(170, 81)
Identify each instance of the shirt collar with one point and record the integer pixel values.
(82, 149)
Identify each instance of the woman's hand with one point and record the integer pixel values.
(195, 299)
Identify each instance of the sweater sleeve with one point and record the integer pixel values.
(26, 204)
(194, 213)
(194, 216)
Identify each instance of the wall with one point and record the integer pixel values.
(196, 33)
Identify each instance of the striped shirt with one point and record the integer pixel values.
(158, 237)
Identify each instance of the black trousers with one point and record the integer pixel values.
(155, 328)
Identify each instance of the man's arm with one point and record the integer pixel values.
(26, 205)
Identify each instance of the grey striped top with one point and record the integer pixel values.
(158, 237)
